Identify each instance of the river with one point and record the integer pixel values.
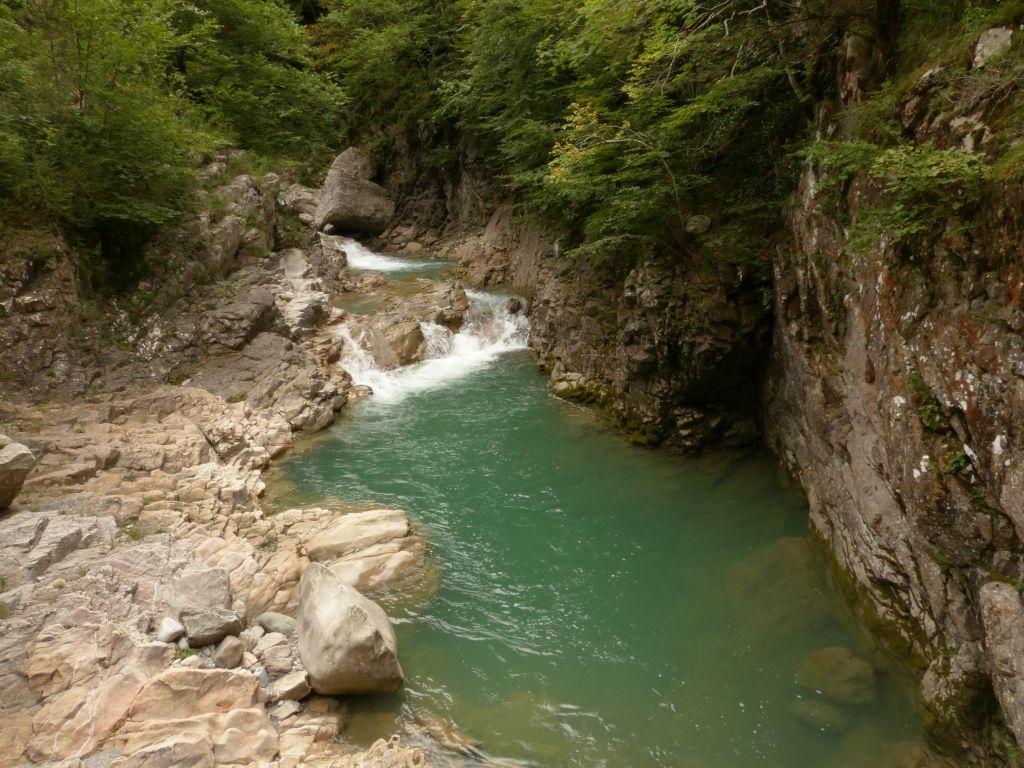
(596, 604)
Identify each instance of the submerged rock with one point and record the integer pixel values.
(821, 716)
(838, 675)
(346, 642)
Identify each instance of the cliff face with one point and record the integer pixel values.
(668, 352)
(895, 394)
(892, 388)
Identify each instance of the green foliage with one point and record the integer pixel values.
(621, 120)
(5, 610)
(106, 106)
(245, 63)
(957, 463)
(920, 186)
(185, 653)
(929, 409)
(87, 133)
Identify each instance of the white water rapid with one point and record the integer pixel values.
(361, 257)
(489, 331)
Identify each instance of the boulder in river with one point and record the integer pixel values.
(346, 642)
(838, 675)
(16, 461)
(349, 200)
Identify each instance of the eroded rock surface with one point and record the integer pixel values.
(137, 557)
(345, 641)
(349, 200)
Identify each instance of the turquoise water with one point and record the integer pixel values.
(598, 604)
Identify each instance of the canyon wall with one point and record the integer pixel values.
(668, 352)
(891, 387)
(895, 394)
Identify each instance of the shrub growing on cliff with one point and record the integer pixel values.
(920, 187)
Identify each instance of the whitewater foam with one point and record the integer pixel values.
(489, 331)
(361, 257)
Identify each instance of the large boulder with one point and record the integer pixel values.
(992, 44)
(346, 642)
(349, 200)
(16, 461)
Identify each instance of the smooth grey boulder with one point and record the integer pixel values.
(349, 200)
(16, 461)
(229, 653)
(209, 626)
(346, 642)
(169, 630)
(277, 622)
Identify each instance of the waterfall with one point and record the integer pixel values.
(362, 258)
(489, 331)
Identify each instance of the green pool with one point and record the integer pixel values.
(601, 604)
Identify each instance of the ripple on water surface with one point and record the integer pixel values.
(602, 605)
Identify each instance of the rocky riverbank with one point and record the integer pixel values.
(151, 612)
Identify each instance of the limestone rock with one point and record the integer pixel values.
(250, 636)
(1002, 614)
(192, 749)
(839, 675)
(202, 588)
(276, 622)
(385, 754)
(209, 626)
(278, 661)
(294, 687)
(380, 564)
(229, 653)
(358, 530)
(301, 199)
(224, 706)
(992, 44)
(16, 461)
(169, 630)
(349, 200)
(346, 642)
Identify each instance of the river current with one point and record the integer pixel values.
(591, 603)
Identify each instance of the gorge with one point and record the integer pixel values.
(762, 506)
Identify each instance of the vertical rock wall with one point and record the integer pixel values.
(895, 394)
(668, 352)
